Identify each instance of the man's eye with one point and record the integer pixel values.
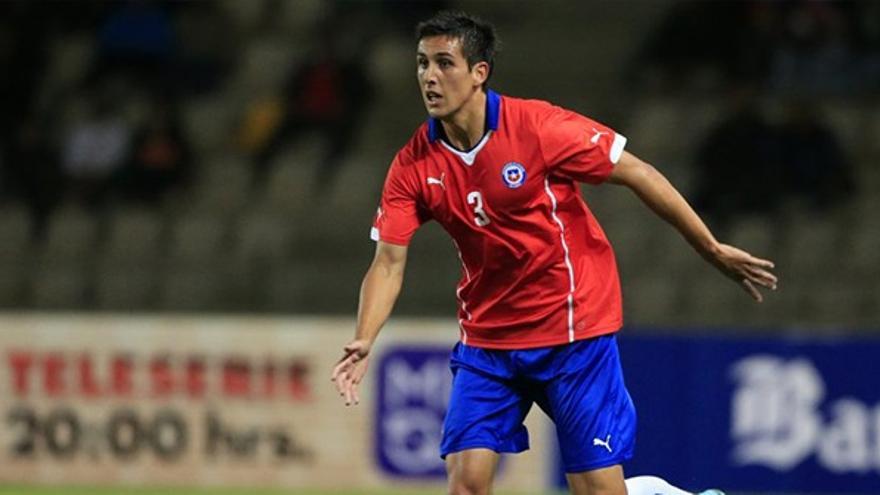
(445, 63)
(422, 63)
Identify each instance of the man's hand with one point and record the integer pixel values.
(350, 370)
(745, 269)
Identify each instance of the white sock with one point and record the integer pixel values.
(651, 485)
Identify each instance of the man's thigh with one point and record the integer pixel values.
(593, 412)
(484, 412)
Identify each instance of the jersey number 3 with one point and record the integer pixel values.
(476, 199)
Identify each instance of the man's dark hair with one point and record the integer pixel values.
(479, 42)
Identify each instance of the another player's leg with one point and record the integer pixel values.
(652, 485)
(610, 481)
(470, 472)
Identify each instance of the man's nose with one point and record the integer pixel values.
(430, 74)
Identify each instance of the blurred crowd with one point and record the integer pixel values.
(795, 52)
(114, 133)
(79, 141)
(748, 164)
(807, 47)
(105, 105)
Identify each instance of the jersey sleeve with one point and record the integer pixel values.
(399, 214)
(577, 147)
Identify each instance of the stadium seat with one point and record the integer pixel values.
(185, 288)
(266, 63)
(295, 287)
(301, 15)
(197, 239)
(869, 288)
(650, 300)
(291, 182)
(863, 242)
(134, 237)
(654, 129)
(13, 275)
(15, 231)
(756, 235)
(846, 121)
(60, 287)
(634, 238)
(284, 288)
(72, 236)
(712, 300)
(835, 304)
(71, 57)
(678, 257)
(357, 187)
(391, 57)
(224, 184)
(247, 14)
(208, 120)
(811, 248)
(873, 129)
(263, 235)
(788, 305)
(126, 289)
(608, 202)
(433, 263)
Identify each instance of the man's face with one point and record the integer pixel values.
(445, 80)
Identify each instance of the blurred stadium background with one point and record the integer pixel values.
(188, 183)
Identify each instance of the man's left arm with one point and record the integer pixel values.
(662, 197)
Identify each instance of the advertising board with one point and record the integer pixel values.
(225, 401)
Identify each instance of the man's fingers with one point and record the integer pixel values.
(339, 368)
(343, 385)
(349, 372)
(348, 360)
(762, 263)
(349, 393)
(340, 383)
(761, 277)
(342, 374)
(750, 288)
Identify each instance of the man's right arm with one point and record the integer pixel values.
(380, 289)
(379, 292)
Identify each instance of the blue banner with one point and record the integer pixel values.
(781, 415)
(412, 394)
(742, 414)
(413, 388)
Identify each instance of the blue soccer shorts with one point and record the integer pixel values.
(579, 385)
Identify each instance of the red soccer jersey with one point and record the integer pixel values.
(537, 268)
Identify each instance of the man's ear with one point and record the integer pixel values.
(480, 72)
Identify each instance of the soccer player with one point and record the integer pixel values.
(539, 296)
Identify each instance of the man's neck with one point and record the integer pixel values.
(466, 127)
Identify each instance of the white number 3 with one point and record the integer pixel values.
(476, 199)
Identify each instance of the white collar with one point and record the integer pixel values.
(468, 157)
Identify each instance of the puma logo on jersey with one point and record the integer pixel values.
(437, 182)
(597, 136)
(598, 442)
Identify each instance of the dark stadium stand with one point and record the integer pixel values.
(223, 244)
